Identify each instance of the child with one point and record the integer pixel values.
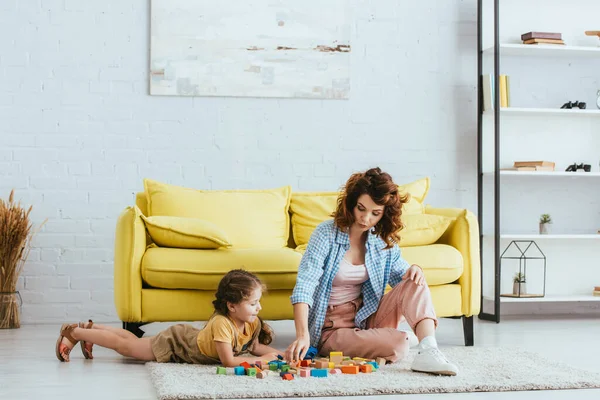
(233, 331)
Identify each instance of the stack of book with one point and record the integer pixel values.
(542, 38)
(533, 166)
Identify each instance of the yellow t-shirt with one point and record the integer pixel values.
(223, 329)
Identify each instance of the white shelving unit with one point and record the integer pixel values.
(546, 174)
(548, 299)
(560, 236)
(514, 49)
(532, 57)
(544, 112)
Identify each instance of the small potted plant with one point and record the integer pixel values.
(545, 222)
(519, 285)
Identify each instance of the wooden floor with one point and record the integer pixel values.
(30, 370)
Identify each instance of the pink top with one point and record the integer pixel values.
(347, 284)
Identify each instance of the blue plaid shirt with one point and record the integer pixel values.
(320, 264)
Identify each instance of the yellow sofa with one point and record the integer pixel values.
(266, 232)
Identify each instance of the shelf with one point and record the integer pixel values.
(514, 49)
(509, 111)
(535, 236)
(546, 174)
(548, 299)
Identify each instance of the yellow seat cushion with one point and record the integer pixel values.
(250, 218)
(441, 263)
(168, 268)
(185, 233)
(309, 209)
(422, 229)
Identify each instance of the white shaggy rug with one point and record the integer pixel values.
(481, 369)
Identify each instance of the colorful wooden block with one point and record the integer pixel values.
(335, 371)
(318, 373)
(273, 366)
(304, 373)
(239, 370)
(322, 364)
(251, 372)
(305, 363)
(262, 374)
(221, 371)
(285, 368)
(288, 377)
(347, 362)
(366, 368)
(331, 365)
(245, 365)
(374, 364)
(350, 369)
(380, 361)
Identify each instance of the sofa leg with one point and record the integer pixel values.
(468, 330)
(134, 327)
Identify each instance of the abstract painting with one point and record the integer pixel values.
(250, 48)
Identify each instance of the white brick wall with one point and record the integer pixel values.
(79, 130)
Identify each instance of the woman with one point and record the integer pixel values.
(339, 301)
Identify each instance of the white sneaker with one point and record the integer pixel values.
(432, 361)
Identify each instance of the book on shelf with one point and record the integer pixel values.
(518, 164)
(541, 35)
(536, 168)
(488, 91)
(544, 41)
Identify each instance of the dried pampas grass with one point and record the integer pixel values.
(16, 232)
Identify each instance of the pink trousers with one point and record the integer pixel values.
(381, 338)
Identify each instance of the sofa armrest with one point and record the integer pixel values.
(130, 246)
(463, 234)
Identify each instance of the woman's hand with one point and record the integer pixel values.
(414, 273)
(297, 350)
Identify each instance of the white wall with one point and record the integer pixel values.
(79, 130)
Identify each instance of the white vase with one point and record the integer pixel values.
(523, 287)
(545, 229)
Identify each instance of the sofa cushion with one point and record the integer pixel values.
(251, 218)
(309, 209)
(203, 269)
(423, 229)
(185, 233)
(441, 263)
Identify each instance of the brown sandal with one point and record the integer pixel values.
(65, 332)
(86, 353)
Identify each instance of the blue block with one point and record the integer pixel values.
(374, 364)
(239, 370)
(318, 373)
(311, 353)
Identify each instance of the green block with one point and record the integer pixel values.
(221, 371)
(251, 371)
(273, 367)
(285, 368)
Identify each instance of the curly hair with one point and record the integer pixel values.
(236, 286)
(384, 192)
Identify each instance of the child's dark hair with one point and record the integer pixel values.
(236, 286)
